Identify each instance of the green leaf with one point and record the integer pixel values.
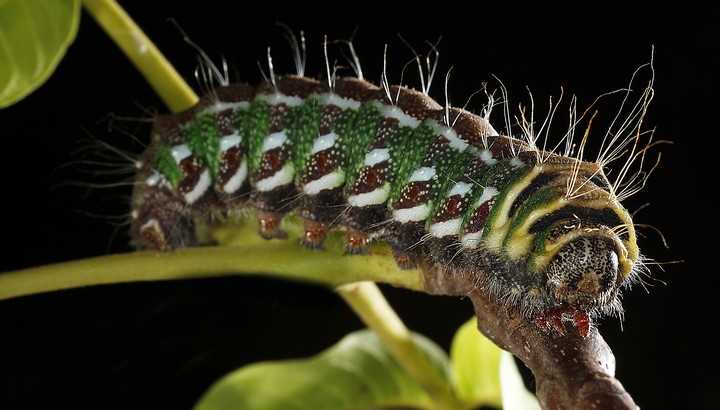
(34, 35)
(514, 394)
(357, 373)
(476, 362)
(486, 375)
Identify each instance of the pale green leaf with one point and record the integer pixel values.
(486, 375)
(476, 362)
(357, 373)
(34, 35)
(514, 394)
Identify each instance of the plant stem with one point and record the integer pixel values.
(283, 259)
(143, 53)
(368, 302)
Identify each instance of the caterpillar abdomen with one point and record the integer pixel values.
(544, 232)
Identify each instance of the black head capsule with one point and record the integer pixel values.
(584, 272)
(583, 276)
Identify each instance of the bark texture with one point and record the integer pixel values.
(571, 371)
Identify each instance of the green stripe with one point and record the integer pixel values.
(253, 124)
(479, 176)
(356, 138)
(203, 138)
(449, 166)
(301, 123)
(408, 146)
(344, 128)
(504, 178)
(166, 165)
(534, 202)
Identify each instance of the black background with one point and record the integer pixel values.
(160, 345)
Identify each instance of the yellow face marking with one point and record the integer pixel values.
(520, 242)
(501, 224)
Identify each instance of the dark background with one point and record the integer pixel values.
(160, 345)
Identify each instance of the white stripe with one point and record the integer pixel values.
(341, 102)
(515, 162)
(277, 98)
(154, 178)
(237, 180)
(274, 140)
(329, 181)
(422, 174)
(180, 152)
(487, 194)
(151, 223)
(414, 214)
(445, 228)
(200, 187)
(230, 141)
(222, 106)
(323, 142)
(450, 134)
(280, 178)
(460, 188)
(456, 142)
(486, 157)
(376, 156)
(472, 239)
(376, 197)
(405, 120)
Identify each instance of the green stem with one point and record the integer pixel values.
(282, 259)
(161, 75)
(368, 302)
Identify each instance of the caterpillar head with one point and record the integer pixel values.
(588, 259)
(577, 250)
(585, 271)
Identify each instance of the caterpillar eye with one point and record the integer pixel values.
(584, 272)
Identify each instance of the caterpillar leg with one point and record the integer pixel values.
(314, 235)
(163, 232)
(152, 236)
(552, 319)
(362, 224)
(270, 224)
(407, 244)
(405, 259)
(356, 242)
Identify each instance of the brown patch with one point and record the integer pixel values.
(356, 242)
(314, 234)
(269, 224)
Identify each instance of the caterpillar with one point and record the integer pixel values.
(544, 231)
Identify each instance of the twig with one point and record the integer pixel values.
(143, 53)
(571, 371)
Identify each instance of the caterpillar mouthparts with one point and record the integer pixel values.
(583, 270)
(544, 231)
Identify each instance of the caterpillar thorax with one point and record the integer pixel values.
(544, 232)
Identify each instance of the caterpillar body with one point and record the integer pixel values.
(545, 232)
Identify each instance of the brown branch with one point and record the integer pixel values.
(571, 371)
